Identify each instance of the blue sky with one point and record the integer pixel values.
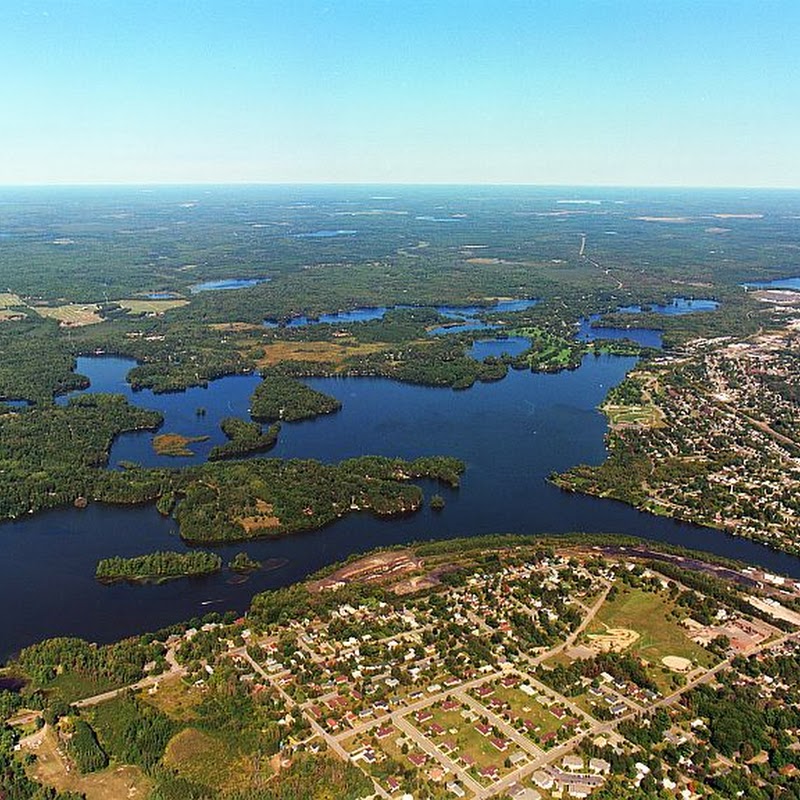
(605, 92)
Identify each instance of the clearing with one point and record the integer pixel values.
(151, 307)
(72, 315)
(648, 615)
(53, 769)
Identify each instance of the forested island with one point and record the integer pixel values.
(281, 398)
(244, 438)
(157, 567)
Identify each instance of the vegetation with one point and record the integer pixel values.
(173, 444)
(281, 398)
(242, 500)
(75, 668)
(51, 456)
(242, 562)
(245, 437)
(84, 748)
(158, 566)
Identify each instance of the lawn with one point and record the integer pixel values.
(468, 741)
(528, 708)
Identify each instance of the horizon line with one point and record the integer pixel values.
(410, 184)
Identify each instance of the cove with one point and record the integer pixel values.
(647, 337)
(512, 434)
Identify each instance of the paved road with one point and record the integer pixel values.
(145, 683)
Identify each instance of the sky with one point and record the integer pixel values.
(569, 92)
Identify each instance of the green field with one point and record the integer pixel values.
(647, 613)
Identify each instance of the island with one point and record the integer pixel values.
(157, 567)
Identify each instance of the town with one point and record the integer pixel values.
(510, 672)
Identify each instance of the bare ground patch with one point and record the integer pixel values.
(263, 519)
(52, 768)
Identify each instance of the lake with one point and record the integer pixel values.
(792, 284)
(463, 314)
(647, 337)
(512, 434)
(225, 284)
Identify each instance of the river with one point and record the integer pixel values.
(512, 434)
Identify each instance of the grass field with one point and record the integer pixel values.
(643, 416)
(328, 352)
(174, 444)
(156, 307)
(175, 699)
(200, 757)
(647, 614)
(9, 299)
(72, 315)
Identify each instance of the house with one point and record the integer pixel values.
(483, 730)
(542, 779)
(499, 744)
(455, 788)
(573, 763)
(599, 766)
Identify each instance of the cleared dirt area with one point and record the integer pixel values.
(53, 769)
(264, 518)
(614, 640)
(377, 567)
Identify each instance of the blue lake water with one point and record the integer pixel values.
(778, 283)
(647, 337)
(512, 434)
(677, 307)
(324, 234)
(225, 284)
(510, 346)
(366, 314)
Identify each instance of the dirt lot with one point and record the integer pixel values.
(53, 769)
(381, 566)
